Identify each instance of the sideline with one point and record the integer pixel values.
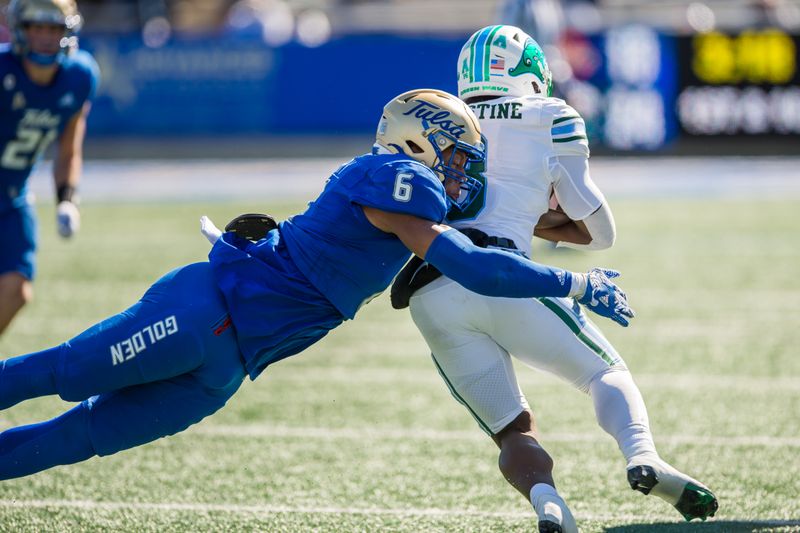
(321, 433)
(303, 178)
(367, 511)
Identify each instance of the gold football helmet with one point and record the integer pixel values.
(424, 123)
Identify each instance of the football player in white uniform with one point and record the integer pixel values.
(537, 157)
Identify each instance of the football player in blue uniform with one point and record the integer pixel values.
(179, 353)
(46, 85)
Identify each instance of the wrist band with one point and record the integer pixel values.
(64, 193)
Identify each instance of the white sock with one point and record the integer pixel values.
(620, 411)
(550, 506)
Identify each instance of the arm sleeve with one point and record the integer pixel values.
(577, 194)
(602, 229)
(580, 199)
(495, 272)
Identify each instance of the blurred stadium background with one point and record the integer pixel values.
(249, 77)
(223, 107)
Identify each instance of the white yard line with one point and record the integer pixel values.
(265, 431)
(526, 376)
(370, 511)
(303, 178)
(255, 509)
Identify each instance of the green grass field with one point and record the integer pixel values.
(359, 434)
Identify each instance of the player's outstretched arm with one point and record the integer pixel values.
(67, 171)
(495, 272)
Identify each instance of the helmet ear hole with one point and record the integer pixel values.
(414, 147)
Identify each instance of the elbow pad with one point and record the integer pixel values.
(494, 272)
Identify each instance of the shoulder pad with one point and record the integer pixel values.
(82, 61)
(84, 70)
(402, 185)
(567, 129)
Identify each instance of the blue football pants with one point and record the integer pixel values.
(153, 370)
(18, 241)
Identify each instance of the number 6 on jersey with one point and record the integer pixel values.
(402, 189)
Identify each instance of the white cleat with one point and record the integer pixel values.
(652, 475)
(554, 515)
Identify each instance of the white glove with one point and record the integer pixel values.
(68, 219)
(209, 230)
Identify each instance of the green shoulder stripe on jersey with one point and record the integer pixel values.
(576, 328)
(564, 119)
(569, 128)
(570, 139)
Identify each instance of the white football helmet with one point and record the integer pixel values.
(502, 61)
(59, 12)
(423, 123)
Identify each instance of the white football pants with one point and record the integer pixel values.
(471, 337)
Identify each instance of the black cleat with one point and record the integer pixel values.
(697, 502)
(642, 478)
(548, 526)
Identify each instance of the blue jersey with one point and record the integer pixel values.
(32, 116)
(347, 258)
(288, 290)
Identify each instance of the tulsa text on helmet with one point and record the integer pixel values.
(428, 112)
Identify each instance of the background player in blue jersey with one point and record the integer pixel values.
(46, 85)
(178, 354)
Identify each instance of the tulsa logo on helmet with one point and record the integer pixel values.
(423, 124)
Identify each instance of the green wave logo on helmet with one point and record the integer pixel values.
(502, 60)
(533, 62)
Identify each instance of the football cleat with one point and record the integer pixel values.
(642, 478)
(554, 515)
(548, 526)
(691, 498)
(697, 502)
(252, 226)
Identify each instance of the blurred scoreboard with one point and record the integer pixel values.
(744, 84)
(652, 89)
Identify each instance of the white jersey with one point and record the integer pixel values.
(524, 138)
(535, 145)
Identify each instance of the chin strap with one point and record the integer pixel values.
(45, 60)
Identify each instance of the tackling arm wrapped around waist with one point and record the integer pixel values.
(495, 272)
